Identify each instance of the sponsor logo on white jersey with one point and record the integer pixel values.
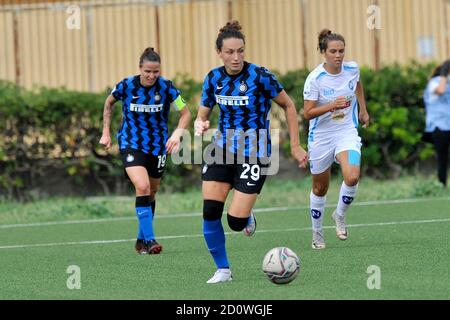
(328, 91)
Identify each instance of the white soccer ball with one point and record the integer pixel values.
(281, 265)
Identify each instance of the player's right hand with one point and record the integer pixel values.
(341, 103)
(105, 140)
(301, 156)
(200, 127)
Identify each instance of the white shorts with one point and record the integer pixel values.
(322, 152)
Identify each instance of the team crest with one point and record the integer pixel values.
(130, 158)
(351, 85)
(157, 97)
(242, 87)
(205, 168)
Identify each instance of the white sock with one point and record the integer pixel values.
(346, 196)
(317, 205)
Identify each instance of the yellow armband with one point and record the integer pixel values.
(179, 103)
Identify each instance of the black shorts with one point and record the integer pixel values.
(244, 177)
(155, 165)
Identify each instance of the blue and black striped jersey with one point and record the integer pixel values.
(244, 100)
(145, 114)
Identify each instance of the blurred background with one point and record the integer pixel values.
(60, 59)
(90, 45)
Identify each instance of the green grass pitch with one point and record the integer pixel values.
(408, 241)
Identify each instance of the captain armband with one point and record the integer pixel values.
(179, 103)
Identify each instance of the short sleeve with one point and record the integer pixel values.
(175, 97)
(119, 91)
(310, 90)
(432, 87)
(270, 84)
(208, 99)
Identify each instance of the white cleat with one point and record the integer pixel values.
(341, 226)
(221, 275)
(250, 229)
(318, 241)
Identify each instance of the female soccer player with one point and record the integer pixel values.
(331, 93)
(437, 103)
(142, 138)
(241, 146)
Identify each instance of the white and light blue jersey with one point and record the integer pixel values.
(324, 87)
(437, 107)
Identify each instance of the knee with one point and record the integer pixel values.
(212, 210)
(236, 223)
(142, 187)
(351, 180)
(319, 190)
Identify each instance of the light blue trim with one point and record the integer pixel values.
(354, 158)
(350, 68)
(354, 113)
(311, 133)
(323, 73)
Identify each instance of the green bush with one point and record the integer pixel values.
(45, 131)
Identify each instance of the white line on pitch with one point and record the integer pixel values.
(227, 233)
(197, 214)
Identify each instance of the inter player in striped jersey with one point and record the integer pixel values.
(331, 93)
(143, 137)
(241, 147)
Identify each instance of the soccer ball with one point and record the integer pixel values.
(281, 265)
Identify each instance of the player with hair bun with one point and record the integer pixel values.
(331, 94)
(143, 137)
(244, 92)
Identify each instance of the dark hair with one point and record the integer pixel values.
(436, 71)
(326, 36)
(149, 54)
(230, 30)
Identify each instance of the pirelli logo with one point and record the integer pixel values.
(232, 101)
(145, 108)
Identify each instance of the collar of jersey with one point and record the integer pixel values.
(244, 68)
(333, 74)
(138, 83)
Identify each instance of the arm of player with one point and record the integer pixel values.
(108, 108)
(173, 143)
(364, 117)
(440, 89)
(201, 123)
(285, 102)
(311, 111)
(445, 70)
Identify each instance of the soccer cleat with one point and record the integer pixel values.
(250, 229)
(140, 247)
(341, 226)
(318, 241)
(153, 247)
(221, 275)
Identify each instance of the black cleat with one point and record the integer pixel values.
(140, 247)
(153, 247)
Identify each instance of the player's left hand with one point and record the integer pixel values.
(173, 144)
(301, 156)
(364, 118)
